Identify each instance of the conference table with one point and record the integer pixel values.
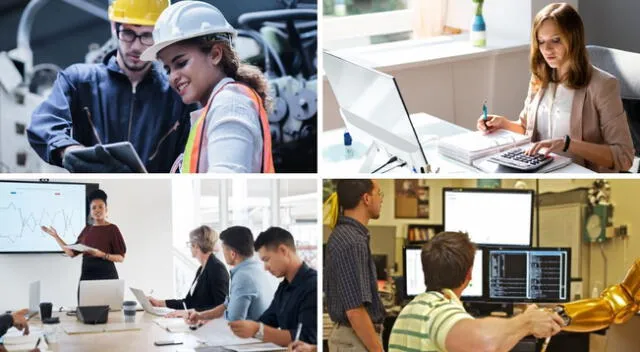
(142, 339)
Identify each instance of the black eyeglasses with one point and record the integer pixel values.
(130, 36)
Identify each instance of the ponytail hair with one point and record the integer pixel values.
(233, 68)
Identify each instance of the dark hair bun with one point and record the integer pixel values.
(98, 194)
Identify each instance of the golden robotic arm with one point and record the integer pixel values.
(616, 304)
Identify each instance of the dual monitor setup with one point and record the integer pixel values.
(506, 268)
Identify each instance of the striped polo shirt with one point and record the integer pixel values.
(424, 323)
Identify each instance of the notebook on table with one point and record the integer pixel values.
(469, 146)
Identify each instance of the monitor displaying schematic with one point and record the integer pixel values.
(26, 206)
(528, 275)
(490, 216)
(414, 276)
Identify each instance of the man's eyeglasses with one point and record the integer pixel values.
(130, 36)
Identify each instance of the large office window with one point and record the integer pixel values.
(359, 7)
(360, 23)
(254, 203)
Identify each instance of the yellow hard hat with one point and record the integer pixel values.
(140, 12)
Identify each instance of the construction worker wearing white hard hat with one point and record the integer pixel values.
(231, 133)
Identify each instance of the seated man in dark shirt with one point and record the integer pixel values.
(295, 301)
(17, 319)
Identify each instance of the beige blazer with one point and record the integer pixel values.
(597, 116)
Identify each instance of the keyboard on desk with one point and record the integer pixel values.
(517, 159)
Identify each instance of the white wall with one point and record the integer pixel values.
(142, 211)
(454, 90)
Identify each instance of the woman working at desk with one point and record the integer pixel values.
(103, 236)
(211, 284)
(231, 133)
(572, 106)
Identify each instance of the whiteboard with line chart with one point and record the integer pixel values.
(25, 206)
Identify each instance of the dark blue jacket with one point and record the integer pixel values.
(153, 117)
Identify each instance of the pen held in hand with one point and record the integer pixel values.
(298, 332)
(545, 344)
(484, 114)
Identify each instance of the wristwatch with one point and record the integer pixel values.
(260, 334)
(567, 141)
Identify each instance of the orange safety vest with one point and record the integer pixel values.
(191, 161)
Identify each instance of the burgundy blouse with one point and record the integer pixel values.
(106, 238)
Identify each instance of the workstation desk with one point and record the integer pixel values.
(429, 129)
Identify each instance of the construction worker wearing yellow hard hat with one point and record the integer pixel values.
(121, 99)
(231, 133)
(130, 20)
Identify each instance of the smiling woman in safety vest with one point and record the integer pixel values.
(231, 133)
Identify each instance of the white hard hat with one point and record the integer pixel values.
(185, 20)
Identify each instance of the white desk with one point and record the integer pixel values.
(134, 340)
(428, 127)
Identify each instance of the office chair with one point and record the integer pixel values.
(623, 338)
(625, 66)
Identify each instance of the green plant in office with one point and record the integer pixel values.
(479, 4)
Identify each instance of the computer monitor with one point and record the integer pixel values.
(380, 261)
(370, 102)
(502, 217)
(414, 276)
(528, 275)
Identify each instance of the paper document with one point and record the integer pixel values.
(19, 343)
(469, 146)
(218, 333)
(79, 247)
(267, 346)
(96, 329)
(172, 324)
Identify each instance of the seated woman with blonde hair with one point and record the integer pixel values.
(211, 284)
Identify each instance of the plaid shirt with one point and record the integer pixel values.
(350, 273)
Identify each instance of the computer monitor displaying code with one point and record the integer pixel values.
(536, 275)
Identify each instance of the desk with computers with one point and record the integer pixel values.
(507, 270)
(384, 138)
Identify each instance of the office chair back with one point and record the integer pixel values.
(625, 66)
(623, 337)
